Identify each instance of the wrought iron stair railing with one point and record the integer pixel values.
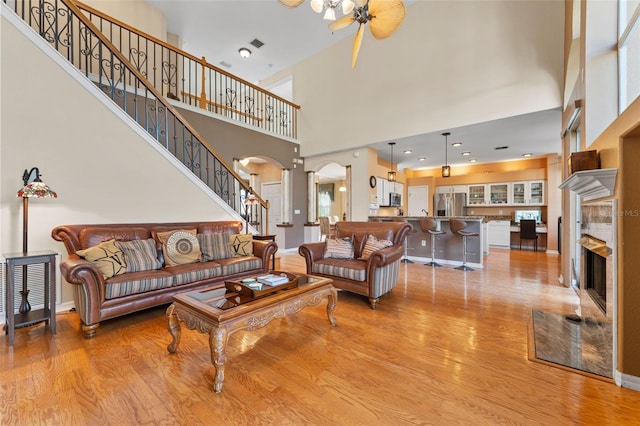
(182, 76)
(68, 30)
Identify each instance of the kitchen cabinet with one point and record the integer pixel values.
(499, 194)
(528, 193)
(382, 192)
(499, 233)
(443, 189)
(477, 195)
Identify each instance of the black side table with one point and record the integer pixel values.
(48, 313)
(268, 237)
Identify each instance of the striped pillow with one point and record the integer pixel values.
(215, 246)
(372, 245)
(340, 248)
(140, 255)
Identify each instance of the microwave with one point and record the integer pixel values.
(395, 199)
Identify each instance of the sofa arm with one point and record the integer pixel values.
(89, 294)
(264, 249)
(385, 256)
(311, 252)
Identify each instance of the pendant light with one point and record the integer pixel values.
(391, 174)
(446, 169)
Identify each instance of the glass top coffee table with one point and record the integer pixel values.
(221, 312)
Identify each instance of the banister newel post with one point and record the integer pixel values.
(203, 95)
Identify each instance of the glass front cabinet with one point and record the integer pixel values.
(528, 193)
(499, 193)
(476, 195)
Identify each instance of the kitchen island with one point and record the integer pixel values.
(449, 245)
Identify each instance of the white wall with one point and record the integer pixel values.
(103, 170)
(450, 64)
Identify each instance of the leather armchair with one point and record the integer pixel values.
(373, 277)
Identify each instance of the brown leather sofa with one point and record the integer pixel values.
(373, 277)
(92, 297)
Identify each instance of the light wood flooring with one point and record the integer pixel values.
(445, 347)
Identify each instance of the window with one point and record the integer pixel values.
(628, 52)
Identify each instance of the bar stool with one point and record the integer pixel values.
(430, 226)
(405, 259)
(457, 227)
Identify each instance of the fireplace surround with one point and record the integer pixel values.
(597, 266)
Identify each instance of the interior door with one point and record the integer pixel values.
(417, 200)
(272, 191)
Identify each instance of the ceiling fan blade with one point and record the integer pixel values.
(356, 45)
(341, 23)
(387, 17)
(360, 3)
(291, 3)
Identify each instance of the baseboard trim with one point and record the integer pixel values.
(627, 381)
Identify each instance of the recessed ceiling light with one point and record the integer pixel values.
(466, 153)
(421, 159)
(528, 154)
(473, 160)
(456, 144)
(407, 151)
(244, 52)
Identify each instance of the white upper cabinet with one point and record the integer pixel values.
(443, 189)
(529, 193)
(499, 194)
(477, 195)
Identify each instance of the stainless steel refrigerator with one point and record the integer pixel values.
(450, 204)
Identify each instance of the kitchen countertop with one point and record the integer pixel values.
(428, 217)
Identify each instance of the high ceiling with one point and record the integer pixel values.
(218, 29)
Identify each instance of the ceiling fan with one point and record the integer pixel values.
(384, 17)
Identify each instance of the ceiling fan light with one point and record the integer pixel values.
(330, 14)
(347, 6)
(317, 5)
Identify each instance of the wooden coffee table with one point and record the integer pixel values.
(220, 313)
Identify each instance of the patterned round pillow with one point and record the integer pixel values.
(181, 247)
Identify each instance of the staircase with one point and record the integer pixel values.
(135, 80)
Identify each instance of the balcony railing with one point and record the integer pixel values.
(72, 34)
(182, 76)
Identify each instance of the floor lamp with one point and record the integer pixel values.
(33, 187)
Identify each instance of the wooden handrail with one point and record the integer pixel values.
(202, 61)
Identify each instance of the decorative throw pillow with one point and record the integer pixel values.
(339, 248)
(241, 244)
(214, 246)
(372, 245)
(179, 247)
(140, 255)
(107, 257)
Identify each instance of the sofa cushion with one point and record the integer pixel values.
(107, 257)
(241, 244)
(343, 268)
(237, 265)
(339, 248)
(140, 255)
(94, 235)
(372, 245)
(214, 246)
(193, 272)
(137, 282)
(179, 247)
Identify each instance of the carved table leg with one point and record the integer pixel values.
(174, 328)
(332, 301)
(217, 344)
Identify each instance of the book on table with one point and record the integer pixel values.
(273, 280)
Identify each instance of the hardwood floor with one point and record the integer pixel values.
(444, 347)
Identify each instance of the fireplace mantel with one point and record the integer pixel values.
(591, 184)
